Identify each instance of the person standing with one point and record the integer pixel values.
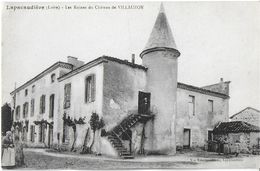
(8, 153)
(226, 148)
(237, 147)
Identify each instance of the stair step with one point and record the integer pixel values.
(117, 146)
(128, 157)
(125, 153)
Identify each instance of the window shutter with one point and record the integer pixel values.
(93, 88)
(64, 102)
(43, 105)
(68, 96)
(87, 90)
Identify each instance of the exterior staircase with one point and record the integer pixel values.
(127, 123)
(118, 145)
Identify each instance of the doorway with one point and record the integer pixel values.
(144, 100)
(186, 138)
(50, 137)
(210, 135)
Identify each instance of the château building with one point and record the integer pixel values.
(144, 107)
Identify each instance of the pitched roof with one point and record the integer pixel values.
(161, 35)
(201, 90)
(235, 127)
(98, 61)
(43, 73)
(243, 111)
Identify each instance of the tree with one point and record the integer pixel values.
(6, 118)
(95, 124)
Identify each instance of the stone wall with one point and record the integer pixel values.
(247, 140)
(203, 121)
(121, 86)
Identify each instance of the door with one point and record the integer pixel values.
(210, 135)
(50, 136)
(144, 102)
(186, 138)
(32, 132)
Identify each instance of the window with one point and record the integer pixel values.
(53, 78)
(42, 104)
(210, 106)
(26, 92)
(33, 88)
(17, 113)
(51, 109)
(67, 91)
(191, 105)
(90, 89)
(25, 110)
(32, 107)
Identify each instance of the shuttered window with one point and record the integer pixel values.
(42, 104)
(17, 113)
(32, 107)
(25, 110)
(51, 108)
(90, 89)
(67, 95)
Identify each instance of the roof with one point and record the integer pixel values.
(201, 90)
(98, 61)
(161, 35)
(235, 127)
(243, 111)
(43, 73)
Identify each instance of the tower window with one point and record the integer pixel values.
(26, 92)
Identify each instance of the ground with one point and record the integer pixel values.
(41, 159)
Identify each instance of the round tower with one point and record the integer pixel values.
(160, 56)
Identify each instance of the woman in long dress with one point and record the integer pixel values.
(8, 153)
(226, 148)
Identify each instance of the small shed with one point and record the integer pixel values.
(247, 134)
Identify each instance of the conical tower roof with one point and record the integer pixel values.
(161, 35)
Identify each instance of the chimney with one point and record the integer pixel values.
(133, 58)
(74, 61)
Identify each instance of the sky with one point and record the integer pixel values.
(216, 40)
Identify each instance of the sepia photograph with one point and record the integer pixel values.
(130, 85)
